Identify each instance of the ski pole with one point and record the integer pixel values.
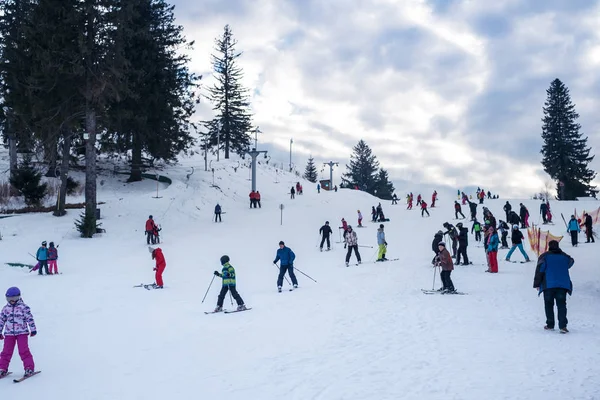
(434, 273)
(231, 298)
(305, 275)
(211, 282)
(286, 279)
(369, 247)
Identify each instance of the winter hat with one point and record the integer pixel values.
(515, 227)
(326, 222)
(442, 244)
(459, 225)
(224, 260)
(553, 245)
(381, 226)
(51, 244)
(281, 243)
(440, 232)
(150, 216)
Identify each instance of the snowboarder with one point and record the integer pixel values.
(552, 278)
(458, 210)
(359, 218)
(325, 231)
(451, 231)
(492, 250)
(229, 284)
(292, 193)
(42, 257)
(382, 244)
(463, 243)
(445, 261)
(17, 323)
(503, 226)
(286, 257)
(218, 212)
(573, 228)
(352, 241)
(589, 233)
(507, 209)
(151, 230)
(437, 238)
(424, 208)
(477, 229)
(544, 212)
(160, 266)
(52, 257)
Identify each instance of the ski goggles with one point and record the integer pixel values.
(12, 298)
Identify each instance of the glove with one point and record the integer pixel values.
(217, 273)
(33, 333)
(153, 269)
(385, 243)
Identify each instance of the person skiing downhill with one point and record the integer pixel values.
(325, 231)
(382, 244)
(424, 208)
(17, 323)
(352, 241)
(287, 257)
(444, 260)
(229, 284)
(160, 266)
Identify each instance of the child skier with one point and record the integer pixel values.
(516, 238)
(17, 323)
(228, 275)
(42, 257)
(359, 218)
(492, 250)
(477, 229)
(52, 257)
(382, 244)
(161, 264)
(352, 241)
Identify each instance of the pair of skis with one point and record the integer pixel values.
(227, 311)
(22, 378)
(425, 291)
(148, 286)
(373, 262)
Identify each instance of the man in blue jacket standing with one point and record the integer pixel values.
(552, 278)
(286, 256)
(574, 229)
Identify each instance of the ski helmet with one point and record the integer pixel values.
(224, 260)
(381, 226)
(51, 244)
(281, 243)
(515, 227)
(150, 216)
(13, 291)
(44, 243)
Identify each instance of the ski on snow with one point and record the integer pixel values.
(26, 377)
(373, 262)
(4, 376)
(226, 311)
(425, 291)
(148, 286)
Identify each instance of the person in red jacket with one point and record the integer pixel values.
(151, 230)
(424, 208)
(253, 199)
(257, 199)
(161, 264)
(433, 198)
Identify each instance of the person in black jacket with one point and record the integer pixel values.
(218, 212)
(325, 231)
(589, 233)
(507, 209)
(513, 218)
(463, 242)
(544, 211)
(453, 233)
(516, 238)
(439, 236)
(473, 209)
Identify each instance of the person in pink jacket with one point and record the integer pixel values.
(17, 324)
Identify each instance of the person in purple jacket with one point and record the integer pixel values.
(17, 323)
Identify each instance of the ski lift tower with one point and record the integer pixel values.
(255, 153)
(331, 164)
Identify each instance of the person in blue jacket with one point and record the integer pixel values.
(218, 212)
(574, 229)
(42, 257)
(552, 278)
(286, 257)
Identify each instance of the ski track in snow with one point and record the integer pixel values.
(364, 332)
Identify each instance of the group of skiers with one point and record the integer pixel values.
(152, 231)
(47, 259)
(420, 202)
(254, 199)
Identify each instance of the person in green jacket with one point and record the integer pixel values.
(228, 275)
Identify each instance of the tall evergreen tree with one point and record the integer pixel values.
(566, 155)
(362, 171)
(310, 173)
(384, 188)
(229, 98)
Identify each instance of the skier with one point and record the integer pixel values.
(516, 237)
(477, 229)
(42, 257)
(382, 244)
(373, 214)
(463, 243)
(151, 229)
(292, 193)
(359, 218)
(326, 232)
(589, 233)
(424, 209)
(252, 199)
(257, 199)
(457, 210)
(17, 323)
(287, 257)
(451, 231)
(433, 198)
(444, 260)
(419, 198)
(229, 284)
(394, 199)
(493, 250)
(473, 209)
(352, 241)
(379, 210)
(218, 212)
(572, 228)
(548, 213)
(437, 238)
(52, 257)
(552, 278)
(345, 228)
(507, 209)
(409, 201)
(544, 212)
(160, 266)
(524, 214)
(503, 226)
(318, 188)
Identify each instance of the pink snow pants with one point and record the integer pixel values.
(52, 264)
(9, 348)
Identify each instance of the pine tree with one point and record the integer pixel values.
(384, 188)
(565, 152)
(230, 99)
(310, 173)
(362, 171)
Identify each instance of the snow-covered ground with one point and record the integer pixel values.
(364, 332)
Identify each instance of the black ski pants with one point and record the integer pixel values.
(544, 218)
(574, 237)
(325, 237)
(234, 293)
(558, 295)
(478, 236)
(446, 281)
(290, 270)
(218, 215)
(454, 246)
(423, 211)
(349, 253)
(456, 212)
(44, 266)
(589, 234)
(150, 237)
(504, 241)
(462, 251)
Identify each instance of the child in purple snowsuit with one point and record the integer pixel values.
(17, 323)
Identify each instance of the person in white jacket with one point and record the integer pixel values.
(352, 242)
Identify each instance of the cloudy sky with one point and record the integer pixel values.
(445, 92)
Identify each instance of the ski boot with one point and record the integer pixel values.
(547, 328)
(3, 373)
(564, 330)
(279, 289)
(296, 286)
(241, 308)
(28, 372)
(218, 309)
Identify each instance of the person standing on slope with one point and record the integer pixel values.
(552, 278)
(352, 241)
(345, 228)
(52, 259)
(589, 233)
(437, 238)
(359, 218)
(503, 227)
(524, 214)
(160, 266)
(433, 198)
(463, 243)
(229, 284)
(445, 261)
(382, 244)
(42, 257)
(287, 257)
(507, 209)
(477, 229)
(473, 209)
(218, 212)
(292, 192)
(325, 231)
(458, 210)
(493, 250)
(452, 232)
(394, 199)
(151, 228)
(544, 212)
(573, 228)
(424, 209)
(17, 323)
